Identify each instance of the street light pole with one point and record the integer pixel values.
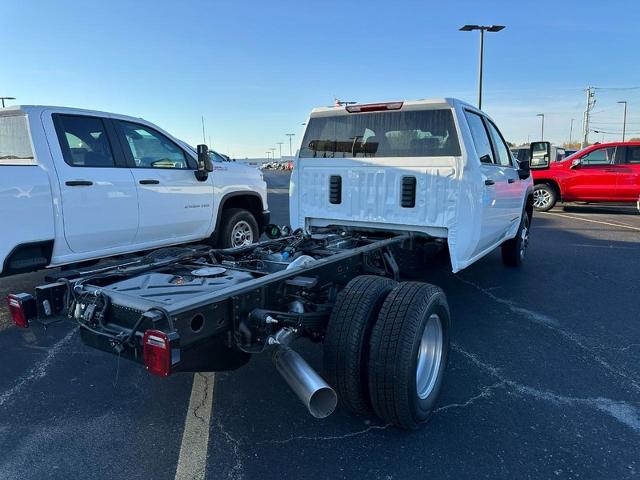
(624, 121)
(280, 145)
(6, 98)
(542, 133)
(482, 28)
(290, 135)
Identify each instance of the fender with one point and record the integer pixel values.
(262, 216)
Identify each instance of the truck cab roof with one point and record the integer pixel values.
(425, 103)
(39, 109)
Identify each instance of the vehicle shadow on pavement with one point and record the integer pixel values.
(625, 209)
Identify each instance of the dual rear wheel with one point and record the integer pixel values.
(386, 348)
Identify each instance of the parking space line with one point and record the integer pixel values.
(192, 462)
(622, 225)
(39, 370)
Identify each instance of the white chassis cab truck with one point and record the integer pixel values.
(373, 186)
(79, 185)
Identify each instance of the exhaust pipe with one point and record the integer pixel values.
(319, 398)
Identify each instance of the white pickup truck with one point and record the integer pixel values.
(78, 185)
(439, 167)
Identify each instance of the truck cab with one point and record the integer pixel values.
(439, 168)
(79, 185)
(605, 172)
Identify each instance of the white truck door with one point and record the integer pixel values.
(510, 194)
(173, 204)
(99, 197)
(495, 185)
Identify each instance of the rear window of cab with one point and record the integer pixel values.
(15, 144)
(412, 133)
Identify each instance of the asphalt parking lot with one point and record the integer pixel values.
(543, 382)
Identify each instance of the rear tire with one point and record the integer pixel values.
(544, 197)
(346, 343)
(409, 353)
(514, 250)
(238, 227)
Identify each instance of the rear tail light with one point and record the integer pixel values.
(22, 307)
(374, 107)
(156, 350)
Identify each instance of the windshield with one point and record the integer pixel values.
(216, 157)
(15, 146)
(413, 133)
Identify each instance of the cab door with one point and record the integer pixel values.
(495, 185)
(98, 195)
(628, 164)
(173, 204)
(513, 195)
(595, 178)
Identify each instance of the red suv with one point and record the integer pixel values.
(606, 172)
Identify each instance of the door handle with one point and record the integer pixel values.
(78, 183)
(149, 182)
(489, 182)
(511, 180)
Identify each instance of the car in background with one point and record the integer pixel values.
(521, 153)
(605, 172)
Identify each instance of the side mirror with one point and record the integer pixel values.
(576, 163)
(524, 170)
(205, 165)
(540, 155)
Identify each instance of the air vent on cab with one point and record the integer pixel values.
(335, 189)
(408, 195)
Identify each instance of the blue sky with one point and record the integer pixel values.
(255, 69)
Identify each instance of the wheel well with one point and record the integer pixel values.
(27, 257)
(552, 183)
(252, 203)
(529, 206)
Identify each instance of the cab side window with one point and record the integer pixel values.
(502, 151)
(601, 156)
(84, 141)
(151, 149)
(480, 137)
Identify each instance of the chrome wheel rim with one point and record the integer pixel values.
(429, 356)
(541, 198)
(241, 234)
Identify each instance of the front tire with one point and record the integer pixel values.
(409, 353)
(514, 250)
(544, 197)
(238, 228)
